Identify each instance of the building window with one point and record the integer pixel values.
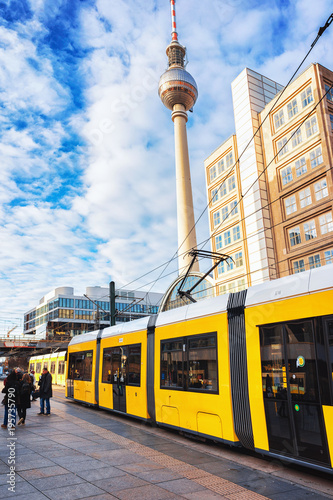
(223, 189)
(299, 266)
(305, 197)
(310, 230)
(229, 160)
(290, 204)
(316, 157)
(279, 119)
(241, 284)
(236, 233)
(224, 212)
(231, 183)
(314, 261)
(292, 108)
(300, 166)
(239, 259)
(234, 207)
(220, 167)
(282, 146)
(217, 218)
(286, 175)
(218, 241)
(215, 195)
(296, 138)
(220, 268)
(331, 120)
(329, 90)
(320, 189)
(326, 224)
(227, 238)
(232, 287)
(294, 236)
(230, 264)
(311, 126)
(222, 289)
(328, 256)
(306, 97)
(212, 173)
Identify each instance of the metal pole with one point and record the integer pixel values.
(112, 304)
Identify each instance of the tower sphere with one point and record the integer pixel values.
(177, 86)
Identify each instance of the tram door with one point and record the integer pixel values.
(292, 399)
(119, 367)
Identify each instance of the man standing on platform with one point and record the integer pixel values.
(45, 391)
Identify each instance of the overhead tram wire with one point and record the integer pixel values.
(166, 264)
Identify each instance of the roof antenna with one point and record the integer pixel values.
(174, 33)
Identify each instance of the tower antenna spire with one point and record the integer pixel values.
(178, 92)
(174, 33)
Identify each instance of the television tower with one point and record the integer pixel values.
(178, 92)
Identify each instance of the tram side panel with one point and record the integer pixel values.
(290, 379)
(122, 369)
(81, 370)
(192, 377)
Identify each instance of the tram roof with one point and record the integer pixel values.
(314, 280)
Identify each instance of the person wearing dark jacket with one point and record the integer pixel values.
(45, 391)
(25, 391)
(11, 400)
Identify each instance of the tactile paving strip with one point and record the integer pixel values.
(216, 484)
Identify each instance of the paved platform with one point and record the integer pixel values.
(79, 452)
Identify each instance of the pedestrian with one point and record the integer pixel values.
(33, 378)
(25, 392)
(45, 391)
(11, 401)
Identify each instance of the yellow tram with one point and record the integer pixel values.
(251, 369)
(55, 363)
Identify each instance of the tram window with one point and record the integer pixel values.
(172, 364)
(46, 366)
(38, 367)
(32, 366)
(61, 367)
(273, 367)
(80, 365)
(302, 374)
(134, 364)
(106, 370)
(52, 369)
(202, 364)
(190, 363)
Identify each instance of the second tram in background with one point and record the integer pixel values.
(55, 363)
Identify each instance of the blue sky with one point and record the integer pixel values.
(87, 183)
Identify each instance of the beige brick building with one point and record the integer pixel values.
(282, 183)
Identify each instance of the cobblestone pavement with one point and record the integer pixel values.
(80, 452)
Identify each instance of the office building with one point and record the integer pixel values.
(271, 196)
(61, 314)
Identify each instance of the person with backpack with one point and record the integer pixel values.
(25, 391)
(11, 401)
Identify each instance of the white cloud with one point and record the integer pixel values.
(121, 221)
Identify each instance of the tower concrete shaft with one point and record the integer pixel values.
(185, 214)
(178, 92)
